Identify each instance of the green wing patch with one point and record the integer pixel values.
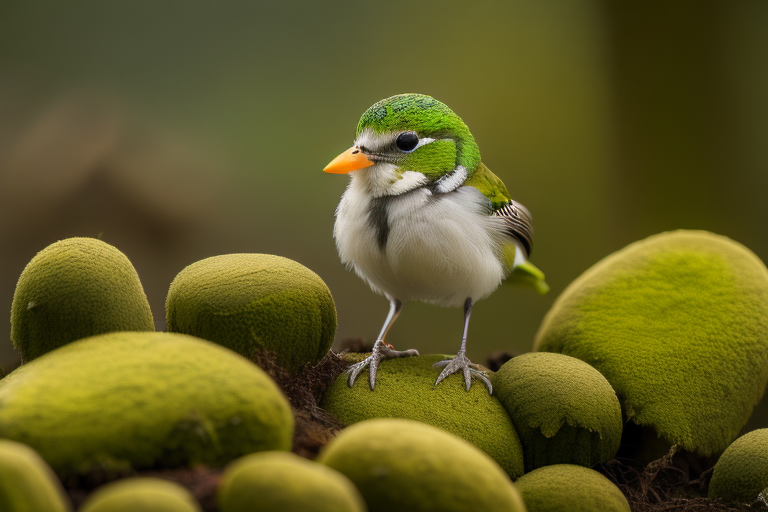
(490, 185)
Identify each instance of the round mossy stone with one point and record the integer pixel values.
(741, 473)
(143, 400)
(564, 411)
(252, 303)
(406, 465)
(141, 495)
(405, 388)
(73, 289)
(27, 484)
(678, 324)
(570, 488)
(280, 481)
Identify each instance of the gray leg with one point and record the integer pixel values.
(460, 362)
(381, 350)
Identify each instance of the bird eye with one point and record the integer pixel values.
(407, 141)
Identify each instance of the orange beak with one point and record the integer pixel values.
(351, 160)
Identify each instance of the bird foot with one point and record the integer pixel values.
(381, 351)
(461, 362)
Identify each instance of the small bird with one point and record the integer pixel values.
(423, 219)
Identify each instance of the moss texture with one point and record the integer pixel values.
(405, 388)
(255, 302)
(280, 481)
(678, 324)
(27, 484)
(564, 411)
(143, 400)
(141, 494)
(405, 465)
(570, 488)
(741, 473)
(73, 289)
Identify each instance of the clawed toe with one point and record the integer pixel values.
(381, 352)
(467, 367)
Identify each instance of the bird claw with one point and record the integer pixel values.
(381, 352)
(468, 368)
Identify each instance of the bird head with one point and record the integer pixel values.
(407, 141)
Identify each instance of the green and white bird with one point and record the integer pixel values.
(424, 219)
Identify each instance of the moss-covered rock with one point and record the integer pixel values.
(741, 473)
(281, 481)
(73, 289)
(564, 411)
(142, 400)
(405, 465)
(405, 388)
(678, 324)
(27, 484)
(141, 495)
(255, 302)
(570, 488)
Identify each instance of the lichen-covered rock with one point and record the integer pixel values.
(27, 484)
(570, 488)
(741, 473)
(141, 495)
(678, 324)
(405, 388)
(564, 411)
(281, 481)
(143, 400)
(405, 465)
(73, 289)
(252, 303)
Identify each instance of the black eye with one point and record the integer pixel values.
(407, 141)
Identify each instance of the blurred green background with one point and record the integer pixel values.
(180, 130)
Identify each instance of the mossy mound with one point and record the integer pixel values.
(570, 488)
(564, 411)
(405, 388)
(741, 473)
(73, 289)
(142, 400)
(255, 302)
(280, 481)
(27, 484)
(141, 494)
(405, 465)
(678, 324)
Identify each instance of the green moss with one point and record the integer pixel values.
(570, 488)
(678, 324)
(143, 400)
(27, 484)
(741, 473)
(255, 302)
(405, 465)
(563, 409)
(280, 481)
(141, 494)
(73, 289)
(405, 388)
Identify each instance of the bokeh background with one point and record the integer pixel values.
(181, 130)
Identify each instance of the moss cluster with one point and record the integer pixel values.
(141, 494)
(678, 324)
(255, 302)
(741, 473)
(405, 465)
(563, 409)
(27, 484)
(73, 289)
(405, 388)
(280, 481)
(141, 400)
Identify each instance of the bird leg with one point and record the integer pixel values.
(381, 349)
(461, 362)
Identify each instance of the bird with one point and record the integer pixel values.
(423, 219)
